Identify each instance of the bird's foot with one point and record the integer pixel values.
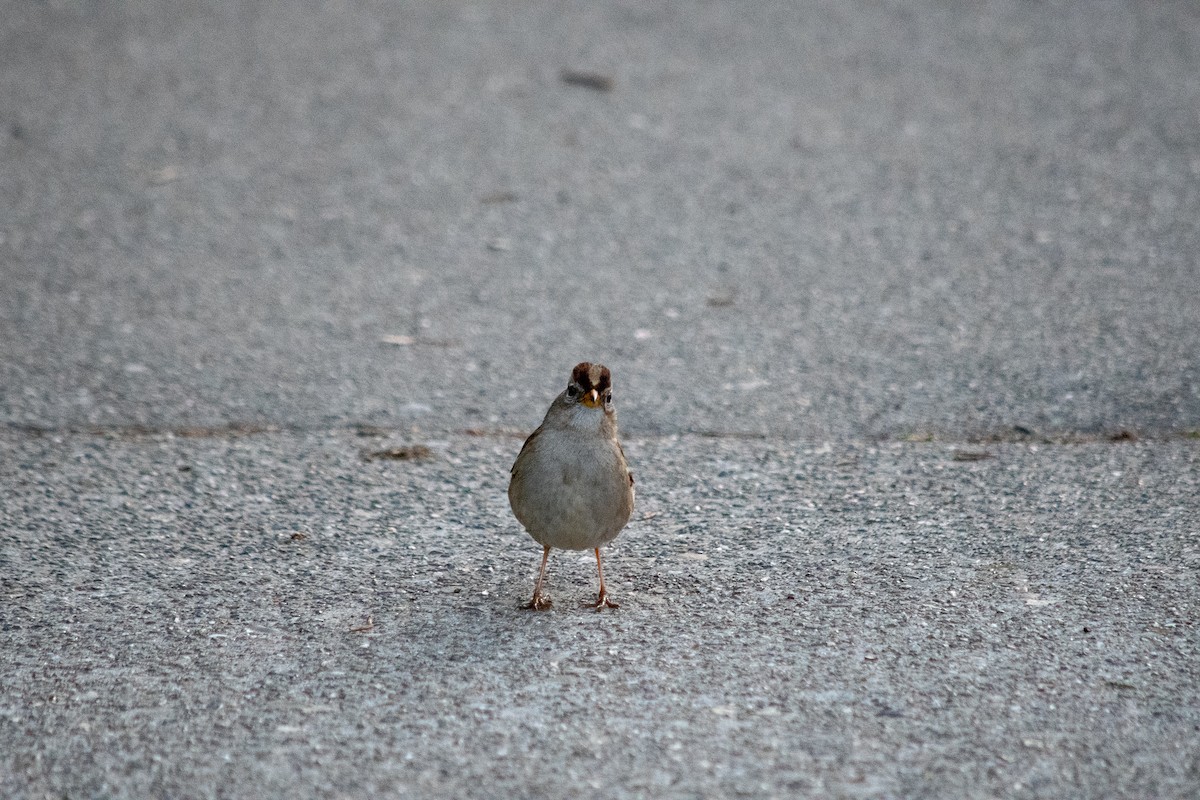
(540, 602)
(602, 602)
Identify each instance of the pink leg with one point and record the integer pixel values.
(602, 601)
(540, 602)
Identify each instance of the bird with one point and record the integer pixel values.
(571, 486)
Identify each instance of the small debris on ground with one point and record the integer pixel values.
(720, 300)
(970, 455)
(587, 80)
(402, 340)
(498, 197)
(411, 452)
(363, 429)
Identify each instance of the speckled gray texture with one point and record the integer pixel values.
(907, 217)
(901, 302)
(843, 621)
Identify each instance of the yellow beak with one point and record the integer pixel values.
(591, 399)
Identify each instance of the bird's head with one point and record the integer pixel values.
(590, 386)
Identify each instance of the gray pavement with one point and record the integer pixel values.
(901, 301)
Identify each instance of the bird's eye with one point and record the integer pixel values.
(608, 397)
(572, 391)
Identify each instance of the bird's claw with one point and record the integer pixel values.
(602, 602)
(540, 602)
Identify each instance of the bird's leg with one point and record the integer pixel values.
(602, 601)
(540, 602)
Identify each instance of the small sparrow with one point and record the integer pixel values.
(571, 487)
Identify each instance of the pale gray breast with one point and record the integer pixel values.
(573, 491)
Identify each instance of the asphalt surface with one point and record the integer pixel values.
(901, 302)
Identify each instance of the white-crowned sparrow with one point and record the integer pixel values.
(571, 487)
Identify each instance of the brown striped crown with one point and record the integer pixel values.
(588, 376)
